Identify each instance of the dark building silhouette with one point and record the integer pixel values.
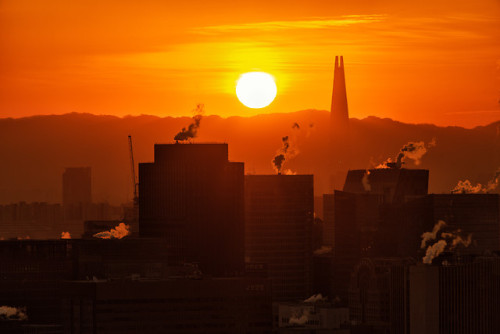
(339, 111)
(477, 215)
(368, 220)
(457, 296)
(278, 231)
(224, 305)
(339, 157)
(379, 296)
(77, 189)
(192, 197)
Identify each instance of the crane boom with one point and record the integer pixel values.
(132, 166)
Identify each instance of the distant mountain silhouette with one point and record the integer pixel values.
(35, 150)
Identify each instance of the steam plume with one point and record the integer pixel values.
(412, 150)
(366, 183)
(323, 250)
(428, 236)
(466, 187)
(65, 235)
(12, 313)
(451, 239)
(433, 251)
(299, 319)
(288, 150)
(315, 298)
(192, 129)
(120, 231)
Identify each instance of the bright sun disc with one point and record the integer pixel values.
(256, 89)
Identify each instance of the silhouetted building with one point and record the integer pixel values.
(77, 189)
(393, 184)
(340, 150)
(379, 296)
(229, 305)
(339, 111)
(329, 220)
(38, 220)
(459, 297)
(312, 317)
(368, 221)
(477, 215)
(278, 231)
(192, 197)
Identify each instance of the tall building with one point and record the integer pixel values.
(339, 111)
(378, 295)
(184, 306)
(340, 151)
(77, 187)
(459, 297)
(192, 197)
(368, 222)
(278, 231)
(477, 215)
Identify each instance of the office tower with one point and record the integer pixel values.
(339, 111)
(192, 197)
(77, 188)
(477, 215)
(339, 158)
(183, 306)
(368, 220)
(378, 295)
(456, 296)
(278, 231)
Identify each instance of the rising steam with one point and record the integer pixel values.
(13, 313)
(65, 235)
(192, 130)
(466, 187)
(287, 151)
(315, 298)
(447, 239)
(413, 150)
(119, 232)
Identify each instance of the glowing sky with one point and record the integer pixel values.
(427, 61)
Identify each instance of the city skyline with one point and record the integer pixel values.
(431, 62)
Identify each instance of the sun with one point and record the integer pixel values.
(256, 89)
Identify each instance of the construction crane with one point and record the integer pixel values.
(132, 165)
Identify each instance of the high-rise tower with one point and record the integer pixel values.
(339, 112)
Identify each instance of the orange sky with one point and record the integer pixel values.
(435, 62)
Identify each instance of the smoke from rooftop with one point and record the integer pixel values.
(412, 150)
(119, 232)
(13, 313)
(287, 151)
(192, 130)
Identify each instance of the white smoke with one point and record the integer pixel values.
(120, 231)
(428, 236)
(412, 150)
(323, 250)
(12, 313)
(299, 318)
(466, 187)
(366, 183)
(65, 235)
(288, 150)
(433, 251)
(451, 239)
(315, 298)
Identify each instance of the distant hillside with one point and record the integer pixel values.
(35, 150)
